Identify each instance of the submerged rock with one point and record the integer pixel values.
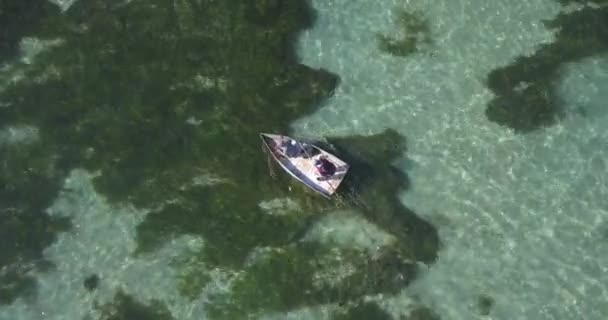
(485, 304)
(91, 282)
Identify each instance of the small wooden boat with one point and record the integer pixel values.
(316, 168)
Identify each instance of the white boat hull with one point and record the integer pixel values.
(302, 168)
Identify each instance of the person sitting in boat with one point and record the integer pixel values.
(294, 149)
(325, 167)
(291, 148)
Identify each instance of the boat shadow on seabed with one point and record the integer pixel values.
(373, 185)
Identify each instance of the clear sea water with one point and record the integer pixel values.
(522, 216)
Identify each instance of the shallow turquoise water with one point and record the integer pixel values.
(521, 213)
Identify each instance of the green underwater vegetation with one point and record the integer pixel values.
(370, 310)
(28, 184)
(422, 313)
(289, 274)
(364, 311)
(412, 33)
(525, 89)
(28, 179)
(125, 307)
(166, 100)
(19, 19)
(307, 275)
